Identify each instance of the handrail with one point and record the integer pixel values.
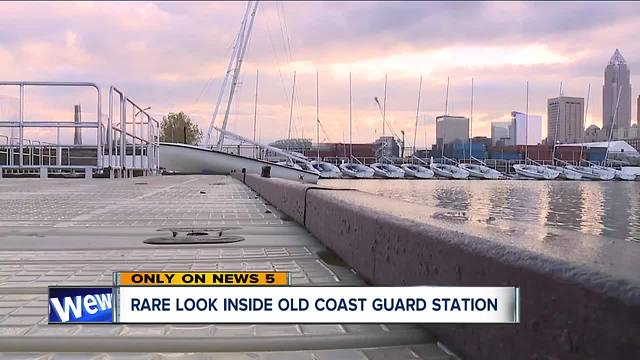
(151, 140)
(147, 139)
(21, 124)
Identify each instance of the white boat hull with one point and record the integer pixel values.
(449, 171)
(626, 176)
(326, 170)
(593, 172)
(417, 171)
(358, 171)
(188, 159)
(565, 173)
(481, 172)
(387, 171)
(535, 172)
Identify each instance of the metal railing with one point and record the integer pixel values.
(21, 124)
(142, 140)
(118, 136)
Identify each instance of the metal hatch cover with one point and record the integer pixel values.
(195, 235)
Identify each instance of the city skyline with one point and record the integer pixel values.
(173, 57)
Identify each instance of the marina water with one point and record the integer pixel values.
(601, 208)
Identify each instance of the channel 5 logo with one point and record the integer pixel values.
(80, 305)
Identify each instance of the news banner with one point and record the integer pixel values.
(268, 297)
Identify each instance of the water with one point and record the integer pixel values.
(607, 208)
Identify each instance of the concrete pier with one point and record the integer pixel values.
(580, 295)
(79, 231)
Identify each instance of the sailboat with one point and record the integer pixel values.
(384, 167)
(384, 170)
(449, 171)
(593, 172)
(183, 158)
(535, 170)
(599, 172)
(351, 169)
(480, 171)
(443, 169)
(325, 169)
(415, 170)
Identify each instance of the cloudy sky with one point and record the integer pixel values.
(172, 56)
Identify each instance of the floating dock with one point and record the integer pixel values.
(79, 231)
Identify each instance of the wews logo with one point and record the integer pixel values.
(85, 305)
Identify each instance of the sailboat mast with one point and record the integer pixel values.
(384, 104)
(586, 110)
(350, 139)
(446, 101)
(555, 136)
(415, 129)
(615, 119)
(236, 48)
(446, 112)
(526, 127)
(293, 93)
(255, 111)
(471, 121)
(236, 74)
(317, 116)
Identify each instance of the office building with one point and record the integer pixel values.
(500, 132)
(450, 129)
(565, 119)
(616, 81)
(525, 130)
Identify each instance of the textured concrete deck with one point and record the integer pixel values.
(77, 232)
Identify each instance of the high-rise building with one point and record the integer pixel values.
(500, 132)
(565, 119)
(525, 130)
(616, 81)
(450, 129)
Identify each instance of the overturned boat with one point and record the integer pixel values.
(481, 171)
(354, 170)
(188, 159)
(291, 165)
(449, 171)
(387, 171)
(326, 170)
(594, 172)
(535, 172)
(565, 173)
(417, 171)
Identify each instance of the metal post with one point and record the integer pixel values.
(21, 128)
(99, 145)
(133, 138)
(110, 127)
(149, 143)
(123, 139)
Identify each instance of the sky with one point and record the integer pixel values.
(172, 56)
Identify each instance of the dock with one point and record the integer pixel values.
(79, 231)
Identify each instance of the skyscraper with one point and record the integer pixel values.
(500, 132)
(450, 129)
(567, 113)
(525, 130)
(616, 80)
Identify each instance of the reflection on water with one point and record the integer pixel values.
(608, 208)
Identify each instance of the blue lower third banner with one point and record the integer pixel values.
(80, 305)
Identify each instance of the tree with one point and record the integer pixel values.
(179, 128)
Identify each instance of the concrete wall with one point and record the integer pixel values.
(577, 302)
